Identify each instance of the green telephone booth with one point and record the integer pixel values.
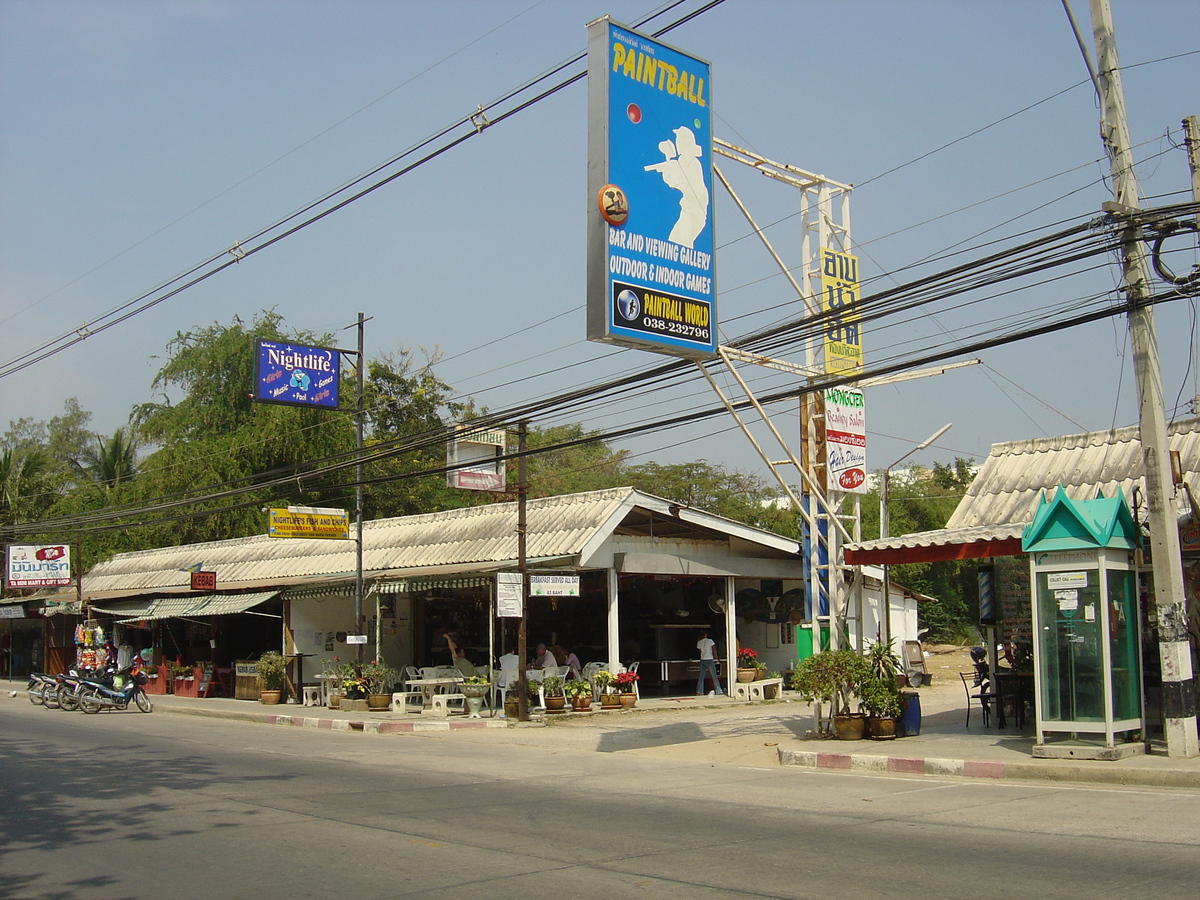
(1086, 628)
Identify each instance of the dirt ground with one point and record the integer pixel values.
(945, 661)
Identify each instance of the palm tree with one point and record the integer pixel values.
(22, 484)
(112, 461)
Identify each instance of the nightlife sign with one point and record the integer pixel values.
(650, 218)
(297, 375)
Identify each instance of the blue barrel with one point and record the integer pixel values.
(910, 713)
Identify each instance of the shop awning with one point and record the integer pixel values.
(185, 607)
(975, 542)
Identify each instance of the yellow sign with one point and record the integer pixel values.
(839, 301)
(308, 522)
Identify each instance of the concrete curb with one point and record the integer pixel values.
(364, 726)
(1097, 773)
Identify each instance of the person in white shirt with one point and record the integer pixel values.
(544, 659)
(708, 664)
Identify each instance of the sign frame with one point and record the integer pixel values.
(314, 379)
(845, 440)
(650, 234)
(47, 565)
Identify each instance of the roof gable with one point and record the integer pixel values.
(1066, 524)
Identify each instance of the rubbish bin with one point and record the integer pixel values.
(910, 713)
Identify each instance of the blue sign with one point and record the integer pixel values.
(650, 235)
(297, 375)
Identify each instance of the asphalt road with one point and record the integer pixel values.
(124, 805)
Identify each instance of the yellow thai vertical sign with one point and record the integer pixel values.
(839, 302)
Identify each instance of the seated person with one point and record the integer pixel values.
(510, 660)
(568, 659)
(544, 659)
(459, 656)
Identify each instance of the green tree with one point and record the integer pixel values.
(583, 462)
(919, 500)
(741, 496)
(24, 493)
(209, 432)
(408, 409)
(110, 461)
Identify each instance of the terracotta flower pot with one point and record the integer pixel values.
(270, 698)
(581, 704)
(628, 700)
(849, 728)
(745, 676)
(881, 728)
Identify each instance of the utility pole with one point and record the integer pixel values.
(1191, 142)
(359, 384)
(523, 568)
(1178, 691)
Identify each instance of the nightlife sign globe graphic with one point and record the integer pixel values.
(629, 305)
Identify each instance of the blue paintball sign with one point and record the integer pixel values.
(650, 225)
(297, 375)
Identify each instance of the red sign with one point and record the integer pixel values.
(204, 581)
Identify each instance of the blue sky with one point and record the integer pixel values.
(141, 138)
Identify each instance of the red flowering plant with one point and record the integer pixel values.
(624, 682)
(748, 659)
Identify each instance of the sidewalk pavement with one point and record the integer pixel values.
(720, 730)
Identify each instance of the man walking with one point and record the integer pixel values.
(708, 664)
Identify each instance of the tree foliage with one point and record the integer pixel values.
(921, 499)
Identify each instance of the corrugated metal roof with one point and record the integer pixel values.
(185, 607)
(1003, 497)
(944, 537)
(1006, 489)
(564, 529)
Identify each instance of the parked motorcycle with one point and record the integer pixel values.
(39, 684)
(126, 689)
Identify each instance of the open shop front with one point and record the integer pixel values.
(191, 644)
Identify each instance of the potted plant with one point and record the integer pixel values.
(747, 665)
(334, 673)
(553, 692)
(880, 697)
(602, 683)
(270, 674)
(580, 694)
(379, 680)
(475, 688)
(624, 684)
(884, 663)
(834, 676)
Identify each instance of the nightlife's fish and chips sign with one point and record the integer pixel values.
(650, 222)
(309, 522)
(297, 375)
(38, 565)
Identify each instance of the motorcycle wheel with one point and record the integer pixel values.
(50, 696)
(35, 694)
(143, 702)
(67, 698)
(90, 703)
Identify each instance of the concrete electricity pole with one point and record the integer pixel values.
(1178, 692)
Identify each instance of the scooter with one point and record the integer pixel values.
(40, 684)
(126, 688)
